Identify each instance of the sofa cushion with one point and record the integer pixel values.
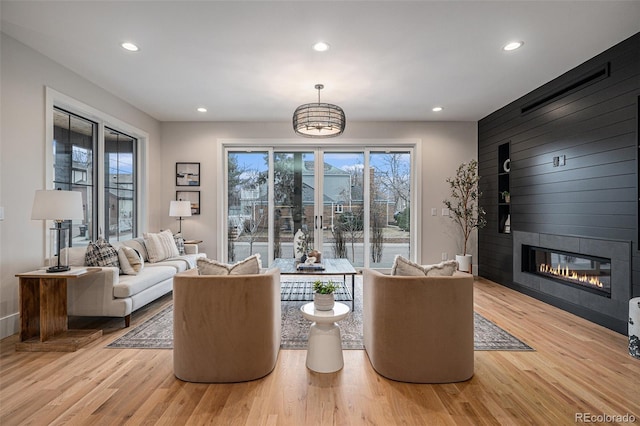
(131, 262)
(248, 266)
(101, 253)
(76, 255)
(180, 263)
(160, 246)
(129, 285)
(138, 245)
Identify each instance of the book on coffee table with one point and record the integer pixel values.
(310, 267)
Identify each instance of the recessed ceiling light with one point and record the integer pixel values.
(130, 47)
(436, 109)
(512, 46)
(202, 109)
(321, 46)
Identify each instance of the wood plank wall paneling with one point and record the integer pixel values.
(596, 193)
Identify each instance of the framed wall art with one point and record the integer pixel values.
(187, 174)
(191, 196)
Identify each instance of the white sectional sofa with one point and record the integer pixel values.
(109, 293)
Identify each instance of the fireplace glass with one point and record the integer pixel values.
(586, 272)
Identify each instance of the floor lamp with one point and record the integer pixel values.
(180, 209)
(57, 205)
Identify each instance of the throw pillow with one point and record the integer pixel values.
(405, 267)
(138, 245)
(131, 261)
(250, 265)
(101, 253)
(179, 243)
(442, 269)
(211, 267)
(160, 246)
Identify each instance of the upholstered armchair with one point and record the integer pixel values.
(226, 327)
(419, 329)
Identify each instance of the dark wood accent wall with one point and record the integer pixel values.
(587, 117)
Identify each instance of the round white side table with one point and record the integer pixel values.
(324, 350)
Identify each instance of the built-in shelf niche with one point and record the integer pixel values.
(504, 202)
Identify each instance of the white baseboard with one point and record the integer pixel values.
(9, 325)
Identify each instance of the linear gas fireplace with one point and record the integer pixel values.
(588, 276)
(589, 273)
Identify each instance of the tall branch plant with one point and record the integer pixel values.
(463, 201)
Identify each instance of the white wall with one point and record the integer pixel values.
(444, 145)
(24, 74)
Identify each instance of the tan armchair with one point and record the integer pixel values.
(226, 327)
(419, 329)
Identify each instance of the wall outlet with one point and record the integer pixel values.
(445, 212)
(445, 256)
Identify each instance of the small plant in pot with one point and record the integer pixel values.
(323, 298)
(463, 206)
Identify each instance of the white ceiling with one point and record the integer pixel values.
(253, 61)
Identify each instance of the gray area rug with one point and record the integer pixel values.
(157, 332)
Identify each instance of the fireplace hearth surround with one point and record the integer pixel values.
(605, 302)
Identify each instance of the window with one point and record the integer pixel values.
(120, 183)
(353, 202)
(74, 145)
(79, 159)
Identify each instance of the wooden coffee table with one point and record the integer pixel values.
(331, 267)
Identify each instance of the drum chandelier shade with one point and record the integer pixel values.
(318, 120)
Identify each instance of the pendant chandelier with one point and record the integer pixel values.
(318, 120)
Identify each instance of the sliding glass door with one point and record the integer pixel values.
(343, 206)
(352, 204)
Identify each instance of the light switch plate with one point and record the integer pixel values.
(434, 212)
(445, 212)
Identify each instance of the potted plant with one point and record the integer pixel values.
(506, 196)
(323, 298)
(463, 207)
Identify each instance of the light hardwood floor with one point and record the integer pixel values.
(578, 367)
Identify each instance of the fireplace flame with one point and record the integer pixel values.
(565, 272)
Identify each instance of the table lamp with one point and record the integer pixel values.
(57, 205)
(180, 209)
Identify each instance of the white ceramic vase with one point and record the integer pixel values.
(464, 262)
(298, 245)
(323, 302)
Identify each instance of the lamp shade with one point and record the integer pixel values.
(319, 120)
(57, 205)
(180, 208)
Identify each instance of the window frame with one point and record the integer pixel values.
(55, 99)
